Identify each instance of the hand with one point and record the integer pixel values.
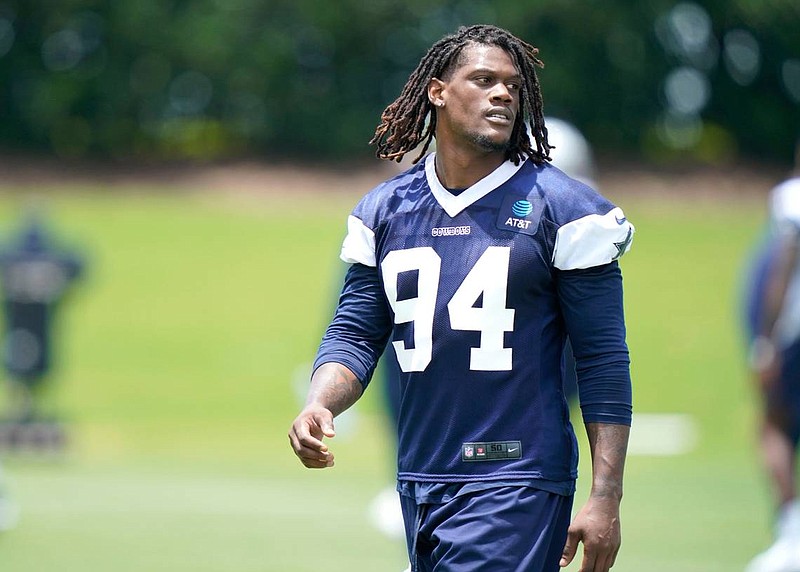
(765, 361)
(309, 428)
(597, 526)
(767, 377)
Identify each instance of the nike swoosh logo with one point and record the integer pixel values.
(512, 450)
(620, 220)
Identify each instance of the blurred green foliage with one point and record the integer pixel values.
(712, 81)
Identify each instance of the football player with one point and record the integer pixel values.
(475, 265)
(773, 310)
(572, 154)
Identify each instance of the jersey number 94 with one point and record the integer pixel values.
(489, 277)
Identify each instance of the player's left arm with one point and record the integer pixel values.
(597, 525)
(591, 301)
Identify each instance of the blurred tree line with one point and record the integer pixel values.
(712, 81)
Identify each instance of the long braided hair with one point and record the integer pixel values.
(403, 122)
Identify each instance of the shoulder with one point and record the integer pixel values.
(375, 210)
(784, 203)
(568, 199)
(390, 196)
(589, 229)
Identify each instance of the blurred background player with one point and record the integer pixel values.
(773, 328)
(35, 275)
(571, 153)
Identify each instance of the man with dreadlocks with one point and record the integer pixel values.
(476, 264)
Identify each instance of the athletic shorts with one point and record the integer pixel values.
(783, 400)
(503, 529)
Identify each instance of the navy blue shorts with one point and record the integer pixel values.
(783, 399)
(503, 529)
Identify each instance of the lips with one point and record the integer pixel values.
(500, 115)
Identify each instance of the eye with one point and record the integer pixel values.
(513, 86)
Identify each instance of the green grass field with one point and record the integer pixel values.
(175, 364)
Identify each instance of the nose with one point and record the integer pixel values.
(501, 93)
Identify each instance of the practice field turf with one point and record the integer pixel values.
(176, 357)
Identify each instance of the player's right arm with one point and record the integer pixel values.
(345, 362)
(333, 389)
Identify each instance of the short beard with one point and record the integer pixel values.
(487, 144)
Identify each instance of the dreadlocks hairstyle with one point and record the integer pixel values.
(403, 123)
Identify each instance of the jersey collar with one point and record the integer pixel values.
(454, 204)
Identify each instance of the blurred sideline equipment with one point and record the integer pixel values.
(572, 154)
(36, 276)
(773, 329)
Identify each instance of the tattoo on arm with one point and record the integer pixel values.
(334, 387)
(609, 446)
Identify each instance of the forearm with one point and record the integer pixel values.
(597, 523)
(609, 446)
(334, 387)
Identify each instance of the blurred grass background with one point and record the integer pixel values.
(175, 366)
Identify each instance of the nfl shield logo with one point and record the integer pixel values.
(469, 451)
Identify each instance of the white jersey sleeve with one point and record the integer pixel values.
(784, 205)
(592, 240)
(359, 244)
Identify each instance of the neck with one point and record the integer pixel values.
(457, 169)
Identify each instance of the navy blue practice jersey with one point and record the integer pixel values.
(476, 293)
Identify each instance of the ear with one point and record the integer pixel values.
(435, 90)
